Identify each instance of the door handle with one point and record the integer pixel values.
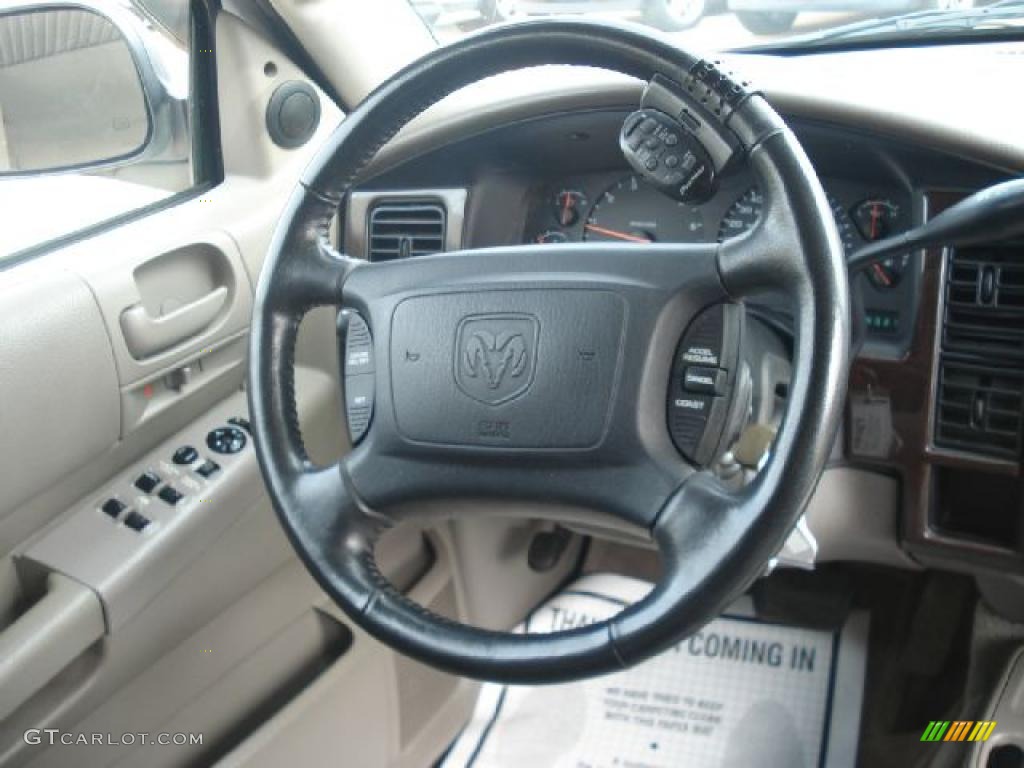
(45, 639)
(146, 335)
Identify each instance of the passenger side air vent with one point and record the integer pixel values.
(979, 409)
(398, 230)
(981, 370)
(985, 302)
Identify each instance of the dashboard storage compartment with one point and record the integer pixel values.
(981, 506)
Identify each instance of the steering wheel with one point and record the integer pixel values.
(538, 377)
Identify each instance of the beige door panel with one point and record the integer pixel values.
(94, 337)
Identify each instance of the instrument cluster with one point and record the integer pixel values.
(622, 207)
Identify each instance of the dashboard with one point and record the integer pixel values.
(562, 178)
(555, 174)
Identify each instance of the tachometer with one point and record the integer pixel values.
(633, 211)
(744, 213)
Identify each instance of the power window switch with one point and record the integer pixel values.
(170, 494)
(135, 521)
(113, 507)
(147, 481)
(207, 469)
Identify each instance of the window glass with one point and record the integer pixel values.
(94, 119)
(716, 25)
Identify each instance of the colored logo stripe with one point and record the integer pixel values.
(958, 730)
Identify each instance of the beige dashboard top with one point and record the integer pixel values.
(959, 99)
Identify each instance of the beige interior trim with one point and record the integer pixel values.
(46, 638)
(362, 27)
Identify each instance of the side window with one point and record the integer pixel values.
(94, 114)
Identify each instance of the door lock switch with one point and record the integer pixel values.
(185, 455)
(207, 469)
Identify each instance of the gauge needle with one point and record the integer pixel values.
(881, 273)
(875, 215)
(616, 234)
(566, 210)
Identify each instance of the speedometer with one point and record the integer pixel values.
(744, 213)
(633, 211)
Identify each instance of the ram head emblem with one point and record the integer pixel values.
(495, 356)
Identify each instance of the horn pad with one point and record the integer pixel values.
(505, 368)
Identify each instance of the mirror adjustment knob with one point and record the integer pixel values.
(226, 440)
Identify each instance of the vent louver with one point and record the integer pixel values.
(981, 371)
(398, 230)
(985, 302)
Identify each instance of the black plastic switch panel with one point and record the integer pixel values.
(208, 468)
(238, 421)
(147, 481)
(185, 455)
(357, 364)
(170, 494)
(113, 507)
(703, 375)
(135, 521)
(226, 440)
(668, 156)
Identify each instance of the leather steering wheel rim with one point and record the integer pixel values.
(713, 542)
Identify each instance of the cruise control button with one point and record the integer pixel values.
(185, 455)
(358, 345)
(359, 396)
(147, 481)
(170, 494)
(135, 521)
(703, 380)
(113, 507)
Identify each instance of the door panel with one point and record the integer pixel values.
(117, 350)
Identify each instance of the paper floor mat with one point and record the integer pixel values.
(739, 693)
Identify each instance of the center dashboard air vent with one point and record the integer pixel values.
(400, 229)
(981, 366)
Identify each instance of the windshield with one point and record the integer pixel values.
(731, 24)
